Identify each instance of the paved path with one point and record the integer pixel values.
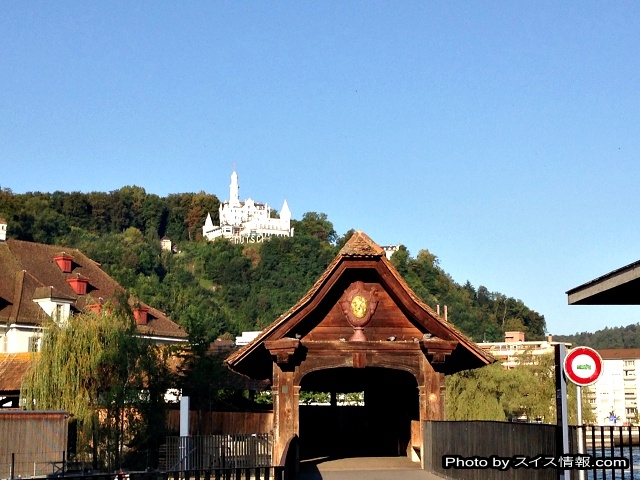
(364, 468)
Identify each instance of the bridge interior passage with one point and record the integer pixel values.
(381, 427)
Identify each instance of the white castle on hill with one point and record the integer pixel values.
(248, 221)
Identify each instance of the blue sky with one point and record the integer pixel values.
(502, 136)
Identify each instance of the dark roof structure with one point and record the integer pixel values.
(30, 271)
(619, 287)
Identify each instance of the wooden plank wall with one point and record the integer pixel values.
(484, 439)
(227, 423)
(36, 439)
(388, 320)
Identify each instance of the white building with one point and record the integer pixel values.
(515, 348)
(389, 250)
(248, 221)
(614, 397)
(165, 244)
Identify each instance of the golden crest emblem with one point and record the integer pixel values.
(358, 306)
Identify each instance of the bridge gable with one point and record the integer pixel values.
(322, 323)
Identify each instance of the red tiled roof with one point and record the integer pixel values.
(619, 353)
(12, 369)
(29, 272)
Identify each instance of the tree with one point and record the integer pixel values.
(110, 381)
(493, 393)
(316, 225)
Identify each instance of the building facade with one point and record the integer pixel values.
(614, 397)
(515, 350)
(248, 221)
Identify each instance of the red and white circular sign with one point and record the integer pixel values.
(583, 366)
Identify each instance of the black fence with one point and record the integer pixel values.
(255, 473)
(596, 452)
(607, 443)
(21, 464)
(209, 452)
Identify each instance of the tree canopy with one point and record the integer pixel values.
(614, 337)
(526, 392)
(215, 287)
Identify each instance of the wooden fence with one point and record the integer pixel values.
(214, 423)
(32, 443)
(474, 440)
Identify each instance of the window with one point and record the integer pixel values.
(61, 314)
(34, 343)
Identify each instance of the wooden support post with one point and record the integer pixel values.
(431, 391)
(431, 396)
(285, 409)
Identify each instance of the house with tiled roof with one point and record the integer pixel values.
(41, 282)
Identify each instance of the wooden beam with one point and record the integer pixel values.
(437, 350)
(283, 349)
(372, 347)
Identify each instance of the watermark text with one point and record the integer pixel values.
(564, 462)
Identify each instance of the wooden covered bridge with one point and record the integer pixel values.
(360, 328)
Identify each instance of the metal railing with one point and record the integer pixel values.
(207, 452)
(607, 442)
(27, 464)
(255, 473)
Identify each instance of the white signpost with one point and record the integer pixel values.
(582, 366)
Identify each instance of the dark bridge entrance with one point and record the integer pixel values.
(359, 329)
(381, 427)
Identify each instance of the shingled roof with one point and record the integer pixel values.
(359, 247)
(29, 272)
(619, 353)
(12, 368)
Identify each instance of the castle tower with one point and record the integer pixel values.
(247, 221)
(234, 190)
(285, 213)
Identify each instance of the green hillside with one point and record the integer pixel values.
(217, 288)
(615, 337)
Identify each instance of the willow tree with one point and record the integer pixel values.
(110, 381)
(527, 391)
